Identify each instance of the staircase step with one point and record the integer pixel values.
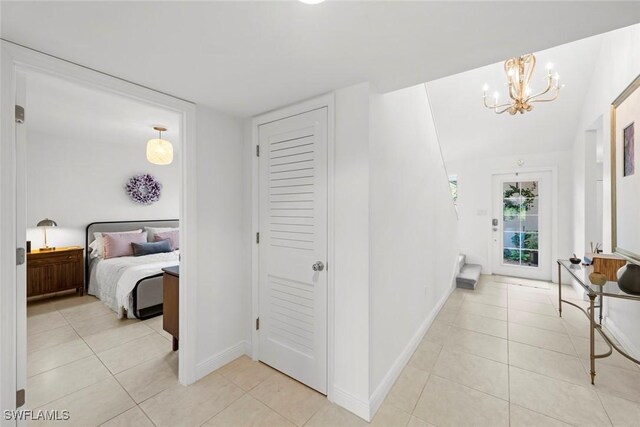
(469, 276)
(462, 259)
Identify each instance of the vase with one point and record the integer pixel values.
(629, 279)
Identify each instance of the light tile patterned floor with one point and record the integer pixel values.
(495, 356)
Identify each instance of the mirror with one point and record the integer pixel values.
(625, 173)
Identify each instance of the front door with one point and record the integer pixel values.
(521, 225)
(293, 247)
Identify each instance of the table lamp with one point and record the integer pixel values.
(46, 223)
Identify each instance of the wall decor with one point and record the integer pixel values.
(625, 183)
(144, 189)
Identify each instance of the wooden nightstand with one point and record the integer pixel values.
(54, 271)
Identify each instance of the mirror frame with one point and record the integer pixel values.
(625, 253)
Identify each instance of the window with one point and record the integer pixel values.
(453, 186)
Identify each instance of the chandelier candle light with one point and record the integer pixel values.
(519, 71)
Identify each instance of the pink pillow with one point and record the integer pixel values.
(119, 244)
(173, 236)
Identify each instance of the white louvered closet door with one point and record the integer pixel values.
(293, 237)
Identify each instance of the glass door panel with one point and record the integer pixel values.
(520, 223)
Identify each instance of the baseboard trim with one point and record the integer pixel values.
(630, 347)
(385, 386)
(351, 403)
(220, 359)
(248, 348)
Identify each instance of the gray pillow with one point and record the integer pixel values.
(149, 248)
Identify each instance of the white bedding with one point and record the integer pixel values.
(113, 280)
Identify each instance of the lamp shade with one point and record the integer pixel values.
(47, 223)
(159, 151)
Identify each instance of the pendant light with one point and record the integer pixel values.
(159, 151)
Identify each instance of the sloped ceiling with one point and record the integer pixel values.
(466, 129)
(249, 57)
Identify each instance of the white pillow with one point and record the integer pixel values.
(152, 231)
(97, 246)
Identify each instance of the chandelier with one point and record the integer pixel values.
(519, 71)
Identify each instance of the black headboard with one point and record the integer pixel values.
(116, 226)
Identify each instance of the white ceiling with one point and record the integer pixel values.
(466, 129)
(249, 57)
(66, 111)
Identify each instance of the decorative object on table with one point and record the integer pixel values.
(625, 186)
(159, 151)
(46, 223)
(28, 246)
(598, 279)
(607, 264)
(144, 189)
(597, 249)
(629, 161)
(575, 259)
(629, 279)
(518, 71)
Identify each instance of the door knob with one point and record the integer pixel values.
(318, 266)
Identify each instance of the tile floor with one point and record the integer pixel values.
(495, 356)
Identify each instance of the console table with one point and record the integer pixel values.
(609, 290)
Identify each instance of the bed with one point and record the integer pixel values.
(131, 286)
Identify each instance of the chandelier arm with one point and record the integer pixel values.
(495, 110)
(512, 92)
(553, 98)
(493, 107)
(549, 87)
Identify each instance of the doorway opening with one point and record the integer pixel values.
(94, 309)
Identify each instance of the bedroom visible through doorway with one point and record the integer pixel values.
(96, 288)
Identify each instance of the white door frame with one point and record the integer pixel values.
(17, 58)
(327, 101)
(554, 212)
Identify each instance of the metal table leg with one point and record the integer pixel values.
(560, 289)
(592, 342)
(601, 304)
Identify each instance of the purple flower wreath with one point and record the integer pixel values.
(144, 189)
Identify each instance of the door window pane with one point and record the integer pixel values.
(520, 223)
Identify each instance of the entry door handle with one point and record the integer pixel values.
(318, 266)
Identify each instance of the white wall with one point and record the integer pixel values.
(351, 242)
(75, 182)
(475, 202)
(617, 65)
(223, 272)
(413, 231)
(395, 242)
